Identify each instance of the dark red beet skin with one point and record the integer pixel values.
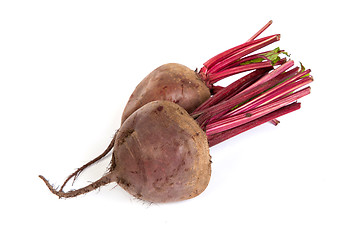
(172, 82)
(173, 163)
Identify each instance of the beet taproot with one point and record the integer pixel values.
(160, 154)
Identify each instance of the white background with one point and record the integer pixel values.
(67, 69)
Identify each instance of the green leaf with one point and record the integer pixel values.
(272, 56)
(303, 69)
(256, 60)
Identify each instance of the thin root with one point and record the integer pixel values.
(79, 170)
(73, 193)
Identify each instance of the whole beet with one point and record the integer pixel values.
(172, 82)
(160, 155)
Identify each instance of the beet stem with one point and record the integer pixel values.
(244, 117)
(260, 31)
(273, 74)
(226, 54)
(220, 137)
(223, 107)
(213, 78)
(275, 93)
(272, 92)
(232, 89)
(221, 65)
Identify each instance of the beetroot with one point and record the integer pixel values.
(173, 82)
(161, 151)
(160, 155)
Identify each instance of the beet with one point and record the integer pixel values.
(173, 82)
(160, 155)
(161, 151)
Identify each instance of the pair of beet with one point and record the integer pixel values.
(161, 151)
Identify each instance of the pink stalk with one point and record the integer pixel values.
(213, 78)
(279, 78)
(230, 51)
(260, 31)
(283, 91)
(268, 81)
(222, 136)
(232, 89)
(276, 92)
(273, 74)
(242, 52)
(259, 97)
(242, 61)
(237, 120)
(282, 77)
(223, 107)
(221, 56)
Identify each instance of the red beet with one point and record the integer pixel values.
(173, 82)
(160, 155)
(161, 152)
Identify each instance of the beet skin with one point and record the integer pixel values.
(172, 82)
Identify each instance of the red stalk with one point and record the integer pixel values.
(264, 56)
(243, 61)
(214, 112)
(220, 65)
(213, 78)
(260, 31)
(250, 92)
(280, 78)
(274, 93)
(273, 74)
(283, 91)
(221, 56)
(232, 89)
(222, 136)
(259, 97)
(228, 52)
(239, 119)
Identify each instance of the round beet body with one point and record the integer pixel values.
(161, 154)
(172, 82)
